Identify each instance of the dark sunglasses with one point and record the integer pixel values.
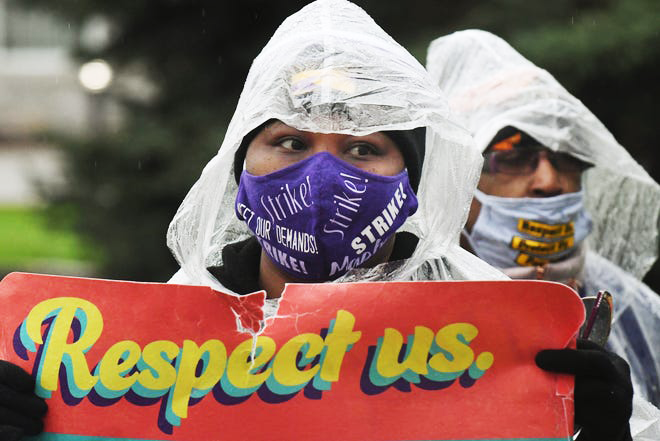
(524, 160)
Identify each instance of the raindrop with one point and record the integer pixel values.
(572, 20)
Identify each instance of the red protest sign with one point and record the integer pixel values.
(363, 361)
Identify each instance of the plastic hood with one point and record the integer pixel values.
(489, 85)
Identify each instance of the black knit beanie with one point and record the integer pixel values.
(412, 144)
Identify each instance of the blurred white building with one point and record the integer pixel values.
(40, 94)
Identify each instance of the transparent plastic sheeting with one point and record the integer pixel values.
(490, 86)
(360, 81)
(635, 333)
(645, 421)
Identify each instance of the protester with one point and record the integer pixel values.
(559, 198)
(333, 96)
(331, 69)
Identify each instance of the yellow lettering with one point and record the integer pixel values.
(285, 369)
(117, 361)
(56, 350)
(214, 354)
(157, 373)
(388, 365)
(337, 343)
(455, 355)
(241, 365)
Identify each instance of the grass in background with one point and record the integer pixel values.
(26, 237)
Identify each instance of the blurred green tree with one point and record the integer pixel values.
(126, 186)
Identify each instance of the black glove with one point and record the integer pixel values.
(603, 389)
(21, 411)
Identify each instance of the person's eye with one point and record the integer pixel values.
(363, 149)
(515, 156)
(293, 144)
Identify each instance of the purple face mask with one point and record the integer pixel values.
(321, 217)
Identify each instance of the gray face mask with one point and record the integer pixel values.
(528, 231)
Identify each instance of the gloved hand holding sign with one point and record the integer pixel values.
(603, 389)
(21, 411)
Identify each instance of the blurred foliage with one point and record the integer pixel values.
(197, 52)
(26, 234)
(125, 188)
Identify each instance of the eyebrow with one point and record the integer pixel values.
(277, 124)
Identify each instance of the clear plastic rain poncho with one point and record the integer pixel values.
(358, 81)
(490, 86)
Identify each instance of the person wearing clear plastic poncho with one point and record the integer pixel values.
(329, 87)
(559, 198)
(330, 69)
